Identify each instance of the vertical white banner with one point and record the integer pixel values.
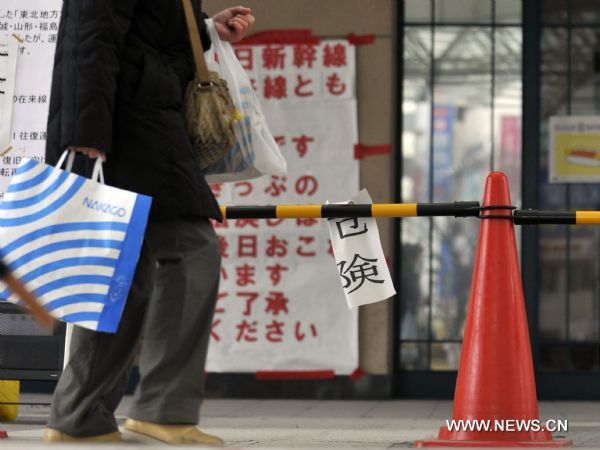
(281, 306)
(8, 72)
(34, 24)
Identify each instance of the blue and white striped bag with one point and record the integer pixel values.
(74, 242)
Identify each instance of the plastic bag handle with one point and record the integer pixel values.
(218, 45)
(222, 48)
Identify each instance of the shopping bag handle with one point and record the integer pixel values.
(98, 174)
(69, 156)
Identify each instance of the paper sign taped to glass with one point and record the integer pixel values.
(574, 149)
(359, 257)
(73, 242)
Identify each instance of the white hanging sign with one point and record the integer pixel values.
(359, 256)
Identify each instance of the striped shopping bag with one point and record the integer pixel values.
(73, 241)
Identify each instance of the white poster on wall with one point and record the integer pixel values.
(34, 25)
(281, 305)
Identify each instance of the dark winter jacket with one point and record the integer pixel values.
(120, 74)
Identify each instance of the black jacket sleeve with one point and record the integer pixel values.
(97, 32)
(206, 42)
(200, 17)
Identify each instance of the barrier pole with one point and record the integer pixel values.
(535, 217)
(335, 211)
(456, 209)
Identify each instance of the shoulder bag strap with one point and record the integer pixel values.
(192, 26)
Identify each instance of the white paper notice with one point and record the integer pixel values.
(31, 25)
(280, 304)
(9, 50)
(360, 260)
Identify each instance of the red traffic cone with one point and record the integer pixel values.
(495, 385)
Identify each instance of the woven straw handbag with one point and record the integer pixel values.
(209, 109)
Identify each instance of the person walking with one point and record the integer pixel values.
(120, 74)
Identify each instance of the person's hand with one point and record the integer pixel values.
(232, 23)
(91, 152)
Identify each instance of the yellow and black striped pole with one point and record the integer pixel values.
(535, 217)
(456, 209)
(334, 211)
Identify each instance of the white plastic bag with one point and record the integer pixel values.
(256, 153)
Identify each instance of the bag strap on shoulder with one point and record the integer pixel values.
(196, 41)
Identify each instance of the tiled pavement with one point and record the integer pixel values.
(299, 424)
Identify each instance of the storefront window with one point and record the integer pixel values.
(461, 120)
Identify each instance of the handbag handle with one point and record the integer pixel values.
(197, 49)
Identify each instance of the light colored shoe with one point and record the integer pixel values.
(173, 434)
(51, 435)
